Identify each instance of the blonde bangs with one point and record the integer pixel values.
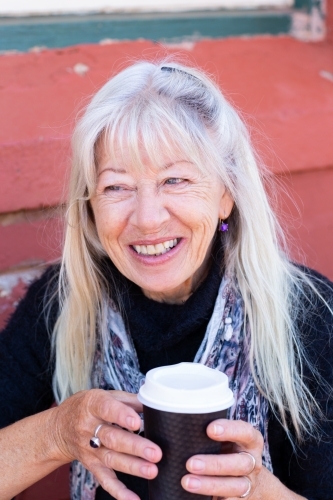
(145, 130)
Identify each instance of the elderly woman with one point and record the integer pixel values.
(172, 253)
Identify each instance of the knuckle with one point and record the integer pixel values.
(108, 459)
(105, 405)
(104, 482)
(217, 466)
(135, 448)
(250, 434)
(90, 398)
(108, 484)
(112, 438)
(260, 439)
(244, 484)
(215, 488)
(249, 465)
(132, 468)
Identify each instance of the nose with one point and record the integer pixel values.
(150, 213)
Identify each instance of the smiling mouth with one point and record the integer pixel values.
(155, 250)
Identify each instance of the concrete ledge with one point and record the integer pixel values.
(30, 241)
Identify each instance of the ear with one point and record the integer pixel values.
(226, 205)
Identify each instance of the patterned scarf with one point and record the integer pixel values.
(225, 347)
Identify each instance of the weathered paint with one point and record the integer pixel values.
(12, 286)
(22, 7)
(277, 81)
(23, 33)
(329, 21)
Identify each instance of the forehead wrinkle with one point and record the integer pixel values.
(171, 164)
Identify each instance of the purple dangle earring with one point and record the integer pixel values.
(223, 226)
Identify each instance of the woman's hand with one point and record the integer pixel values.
(75, 422)
(233, 473)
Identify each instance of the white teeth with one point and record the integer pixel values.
(158, 249)
(150, 249)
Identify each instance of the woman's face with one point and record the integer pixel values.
(158, 225)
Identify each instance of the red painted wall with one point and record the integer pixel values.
(276, 80)
(278, 85)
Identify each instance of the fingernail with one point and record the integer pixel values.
(130, 422)
(149, 453)
(218, 429)
(197, 465)
(146, 470)
(192, 483)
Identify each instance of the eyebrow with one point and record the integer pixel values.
(168, 165)
(123, 171)
(112, 169)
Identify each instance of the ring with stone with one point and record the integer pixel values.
(95, 442)
(248, 489)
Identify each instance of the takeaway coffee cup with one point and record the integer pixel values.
(179, 401)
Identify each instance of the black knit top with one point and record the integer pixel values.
(166, 334)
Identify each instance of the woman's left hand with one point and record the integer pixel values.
(232, 473)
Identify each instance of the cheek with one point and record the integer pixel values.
(107, 225)
(200, 214)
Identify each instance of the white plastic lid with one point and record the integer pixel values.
(186, 388)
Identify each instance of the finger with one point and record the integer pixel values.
(128, 399)
(128, 464)
(105, 407)
(242, 433)
(233, 464)
(225, 487)
(122, 441)
(110, 483)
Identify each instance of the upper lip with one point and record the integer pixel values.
(154, 242)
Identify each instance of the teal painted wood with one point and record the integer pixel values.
(24, 33)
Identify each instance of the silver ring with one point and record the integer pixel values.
(95, 442)
(253, 460)
(248, 490)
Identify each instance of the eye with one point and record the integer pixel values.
(113, 188)
(174, 180)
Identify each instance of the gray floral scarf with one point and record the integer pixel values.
(225, 347)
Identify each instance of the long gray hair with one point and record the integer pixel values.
(168, 106)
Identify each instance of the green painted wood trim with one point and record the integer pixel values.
(24, 33)
(303, 5)
(308, 5)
